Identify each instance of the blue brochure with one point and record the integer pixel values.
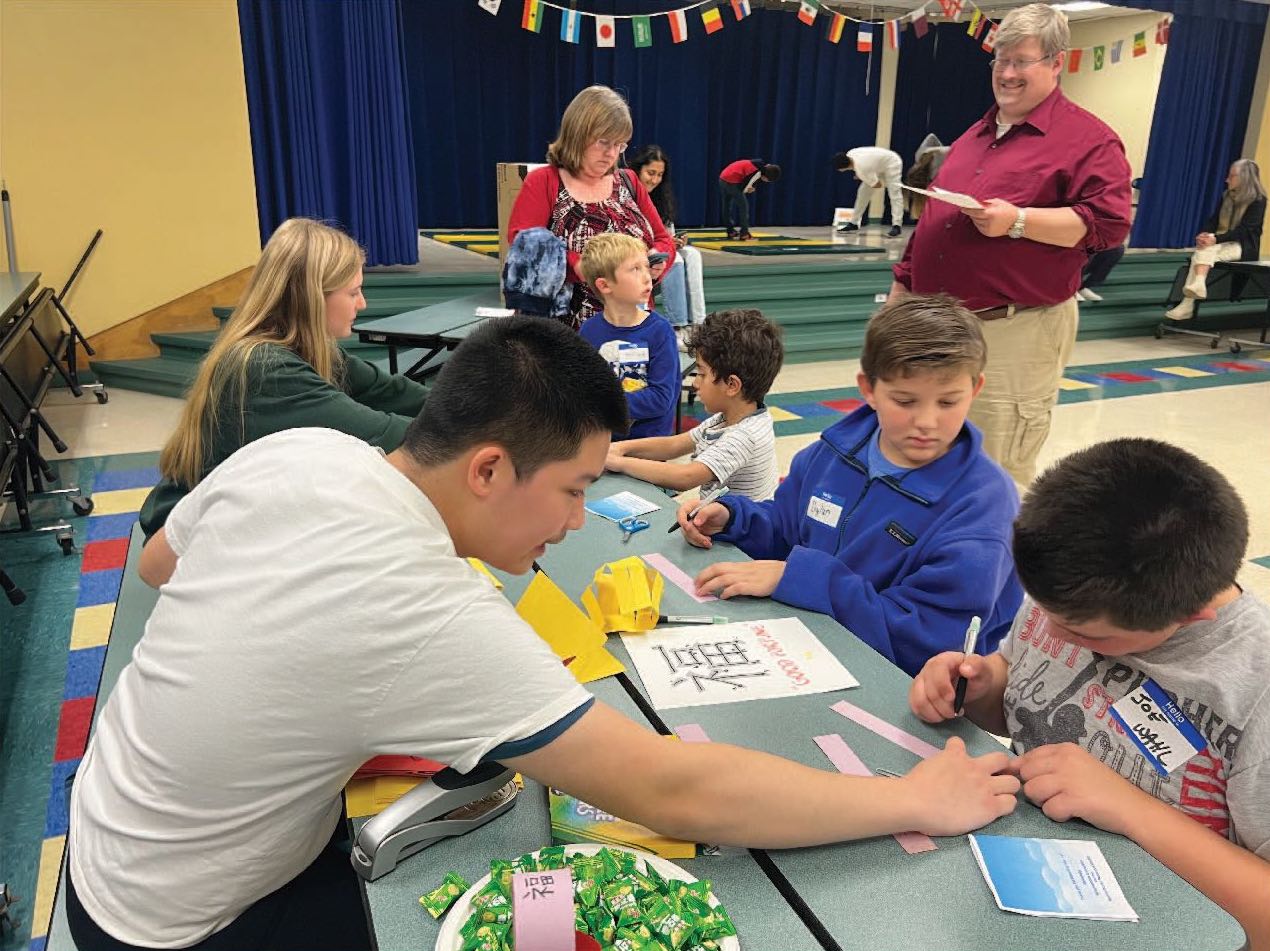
(1064, 878)
(620, 506)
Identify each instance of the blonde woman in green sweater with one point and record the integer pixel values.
(277, 365)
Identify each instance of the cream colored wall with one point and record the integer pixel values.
(1121, 94)
(1257, 141)
(129, 116)
(886, 111)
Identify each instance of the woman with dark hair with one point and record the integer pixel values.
(682, 291)
(1233, 233)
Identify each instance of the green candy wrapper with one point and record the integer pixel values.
(487, 938)
(620, 899)
(552, 857)
(439, 900)
(600, 924)
(500, 876)
(586, 891)
(627, 940)
(666, 922)
(717, 925)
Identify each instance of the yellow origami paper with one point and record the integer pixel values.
(573, 636)
(627, 596)
(484, 569)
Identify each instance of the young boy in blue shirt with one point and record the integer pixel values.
(1129, 551)
(638, 344)
(894, 522)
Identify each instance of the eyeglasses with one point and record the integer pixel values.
(607, 146)
(1018, 65)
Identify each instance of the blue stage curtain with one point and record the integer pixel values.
(943, 85)
(1201, 114)
(330, 127)
(483, 91)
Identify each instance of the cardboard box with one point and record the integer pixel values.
(511, 178)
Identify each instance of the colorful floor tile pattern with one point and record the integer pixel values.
(57, 728)
(814, 410)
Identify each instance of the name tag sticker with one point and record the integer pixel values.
(1160, 730)
(628, 354)
(825, 508)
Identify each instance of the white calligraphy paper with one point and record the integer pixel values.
(727, 663)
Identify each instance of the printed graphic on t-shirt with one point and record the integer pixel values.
(1058, 692)
(629, 361)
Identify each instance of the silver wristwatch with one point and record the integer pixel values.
(1020, 222)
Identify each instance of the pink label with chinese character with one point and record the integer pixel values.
(542, 910)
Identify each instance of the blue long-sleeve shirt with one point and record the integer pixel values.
(646, 360)
(901, 562)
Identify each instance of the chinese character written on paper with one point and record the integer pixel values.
(538, 886)
(706, 662)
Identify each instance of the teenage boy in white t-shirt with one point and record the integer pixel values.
(315, 610)
(738, 353)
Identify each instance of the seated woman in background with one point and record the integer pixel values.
(682, 291)
(1233, 233)
(276, 365)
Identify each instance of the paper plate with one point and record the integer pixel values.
(449, 939)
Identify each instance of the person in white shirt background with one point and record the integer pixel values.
(875, 168)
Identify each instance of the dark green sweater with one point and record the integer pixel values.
(285, 392)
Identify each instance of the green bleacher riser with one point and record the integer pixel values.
(823, 307)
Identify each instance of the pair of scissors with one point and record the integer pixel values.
(630, 525)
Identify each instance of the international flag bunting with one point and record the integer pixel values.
(990, 40)
(976, 20)
(1100, 57)
(642, 30)
(1162, 31)
(678, 25)
(864, 39)
(893, 28)
(1140, 43)
(836, 27)
(712, 20)
(531, 16)
(919, 21)
(807, 10)
(570, 26)
(605, 31)
(1073, 60)
(951, 8)
(491, 7)
(1115, 50)
(740, 9)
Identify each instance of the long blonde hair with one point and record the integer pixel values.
(284, 304)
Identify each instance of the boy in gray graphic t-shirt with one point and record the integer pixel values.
(1133, 680)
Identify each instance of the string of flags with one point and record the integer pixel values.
(979, 26)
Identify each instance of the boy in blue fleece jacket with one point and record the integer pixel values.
(639, 345)
(895, 522)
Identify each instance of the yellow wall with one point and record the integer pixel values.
(1121, 94)
(1257, 141)
(129, 116)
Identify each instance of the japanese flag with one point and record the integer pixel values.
(605, 31)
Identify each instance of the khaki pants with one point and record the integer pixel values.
(1027, 354)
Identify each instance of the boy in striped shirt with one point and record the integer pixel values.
(738, 353)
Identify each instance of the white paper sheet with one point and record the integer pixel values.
(953, 198)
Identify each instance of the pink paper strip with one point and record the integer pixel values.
(887, 731)
(845, 761)
(542, 910)
(677, 576)
(691, 733)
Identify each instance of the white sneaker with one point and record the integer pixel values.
(1182, 311)
(1087, 294)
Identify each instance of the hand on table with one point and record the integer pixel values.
(758, 579)
(615, 461)
(954, 792)
(1067, 782)
(709, 521)
(934, 688)
(994, 219)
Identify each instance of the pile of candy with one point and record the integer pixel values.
(618, 899)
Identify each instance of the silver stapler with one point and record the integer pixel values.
(448, 804)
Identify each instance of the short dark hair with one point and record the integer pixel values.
(529, 384)
(740, 342)
(1134, 531)
(771, 172)
(841, 161)
(922, 332)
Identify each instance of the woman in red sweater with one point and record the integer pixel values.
(581, 192)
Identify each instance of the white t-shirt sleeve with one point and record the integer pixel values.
(733, 449)
(184, 516)
(479, 680)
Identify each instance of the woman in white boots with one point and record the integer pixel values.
(1232, 234)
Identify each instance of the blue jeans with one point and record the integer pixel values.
(682, 296)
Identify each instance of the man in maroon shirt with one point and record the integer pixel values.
(1054, 184)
